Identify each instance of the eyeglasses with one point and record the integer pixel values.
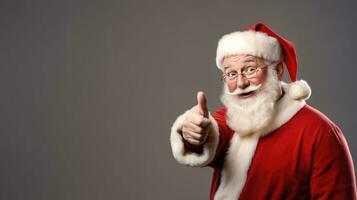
(249, 72)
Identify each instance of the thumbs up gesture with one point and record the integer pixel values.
(195, 127)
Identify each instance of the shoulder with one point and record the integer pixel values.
(320, 128)
(310, 117)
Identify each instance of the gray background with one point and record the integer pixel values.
(89, 89)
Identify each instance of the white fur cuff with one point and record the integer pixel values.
(187, 157)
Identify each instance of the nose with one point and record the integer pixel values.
(242, 82)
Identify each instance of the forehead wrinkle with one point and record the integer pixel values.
(244, 63)
(240, 58)
(243, 59)
(251, 58)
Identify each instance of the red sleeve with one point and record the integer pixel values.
(333, 174)
(225, 134)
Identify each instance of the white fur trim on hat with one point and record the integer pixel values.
(254, 43)
(186, 157)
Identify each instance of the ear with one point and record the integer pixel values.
(280, 70)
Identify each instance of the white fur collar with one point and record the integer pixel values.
(242, 149)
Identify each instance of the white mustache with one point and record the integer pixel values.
(238, 91)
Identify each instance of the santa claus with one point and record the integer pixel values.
(266, 143)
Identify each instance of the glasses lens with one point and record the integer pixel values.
(252, 73)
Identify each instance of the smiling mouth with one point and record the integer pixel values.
(247, 94)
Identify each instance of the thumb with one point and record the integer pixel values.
(202, 104)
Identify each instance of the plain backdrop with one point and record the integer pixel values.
(90, 88)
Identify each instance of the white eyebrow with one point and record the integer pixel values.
(228, 65)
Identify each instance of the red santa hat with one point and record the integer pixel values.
(258, 40)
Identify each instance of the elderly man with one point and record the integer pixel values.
(266, 143)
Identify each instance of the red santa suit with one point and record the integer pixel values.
(302, 155)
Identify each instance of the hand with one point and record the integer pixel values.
(196, 125)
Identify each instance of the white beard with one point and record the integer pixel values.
(254, 114)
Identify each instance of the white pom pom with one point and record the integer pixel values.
(299, 90)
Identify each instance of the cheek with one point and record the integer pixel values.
(256, 81)
(260, 79)
(232, 86)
